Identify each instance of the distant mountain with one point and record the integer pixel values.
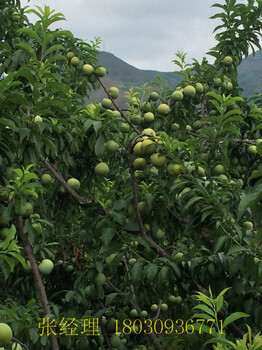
(125, 76)
(250, 74)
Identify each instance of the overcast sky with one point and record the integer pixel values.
(144, 33)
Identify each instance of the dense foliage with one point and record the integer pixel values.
(134, 216)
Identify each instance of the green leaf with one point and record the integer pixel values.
(107, 235)
(110, 298)
(233, 317)
(137, 272)
(151, 271)
(96, 125)
(219, 299)
(219, 243)
(56, 47)
(31, 33)
(172, 265)
(220, 341)
(249, 199)
(99, 146)
(236, 249)
(87, 124)
(131, 226)
(206, 309)
(25, 46)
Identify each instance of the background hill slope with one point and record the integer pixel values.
(125, 76)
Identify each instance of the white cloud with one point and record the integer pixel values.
(144, 33)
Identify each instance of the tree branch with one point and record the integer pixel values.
(37, 277)
(118, 109)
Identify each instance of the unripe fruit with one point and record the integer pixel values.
(174, 169)
(70, 55)
(158, 160)
(125, 127)
(142, 207)
(229, 86)
(115, 341)
(116, 114)
(75, 61)
(248, 225)
(252, 149)
(29, 209)
(154, 96)
(199, 88)
(132, 261)
(189, 91)
(101, 169)
(110, 258)
(189, 128)
(197, 124)
(16, 346)
(143, 313)
(227, 61)
(177, 96)
(38, 119)
(149, 117)
(149, 131)
(139, 164)
(211, 269)
(100, 71)
(256, 260)
(163, 108)
(172, 299)
(89, 290)
(175, 126)
(154, 307)
(159, 234)
(106, 103)
(179, 300)
(136, 119)
(223, 178)
(112, 146)
(113, 92)
(133, 313)
(20, 210)
(46, 179)
(217, 82)
(88, 69)
(74, 183)
(100, 279)
(46, 266)
(201, 171)
(137, 149)
(148, 147)
(219, 169)
(164, 307)
(6, 334)
(4, 233)
(177, 256)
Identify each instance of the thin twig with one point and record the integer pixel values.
(118, 109)
(132, 289)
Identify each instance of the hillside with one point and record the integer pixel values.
(124, 76)
(250, 74)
